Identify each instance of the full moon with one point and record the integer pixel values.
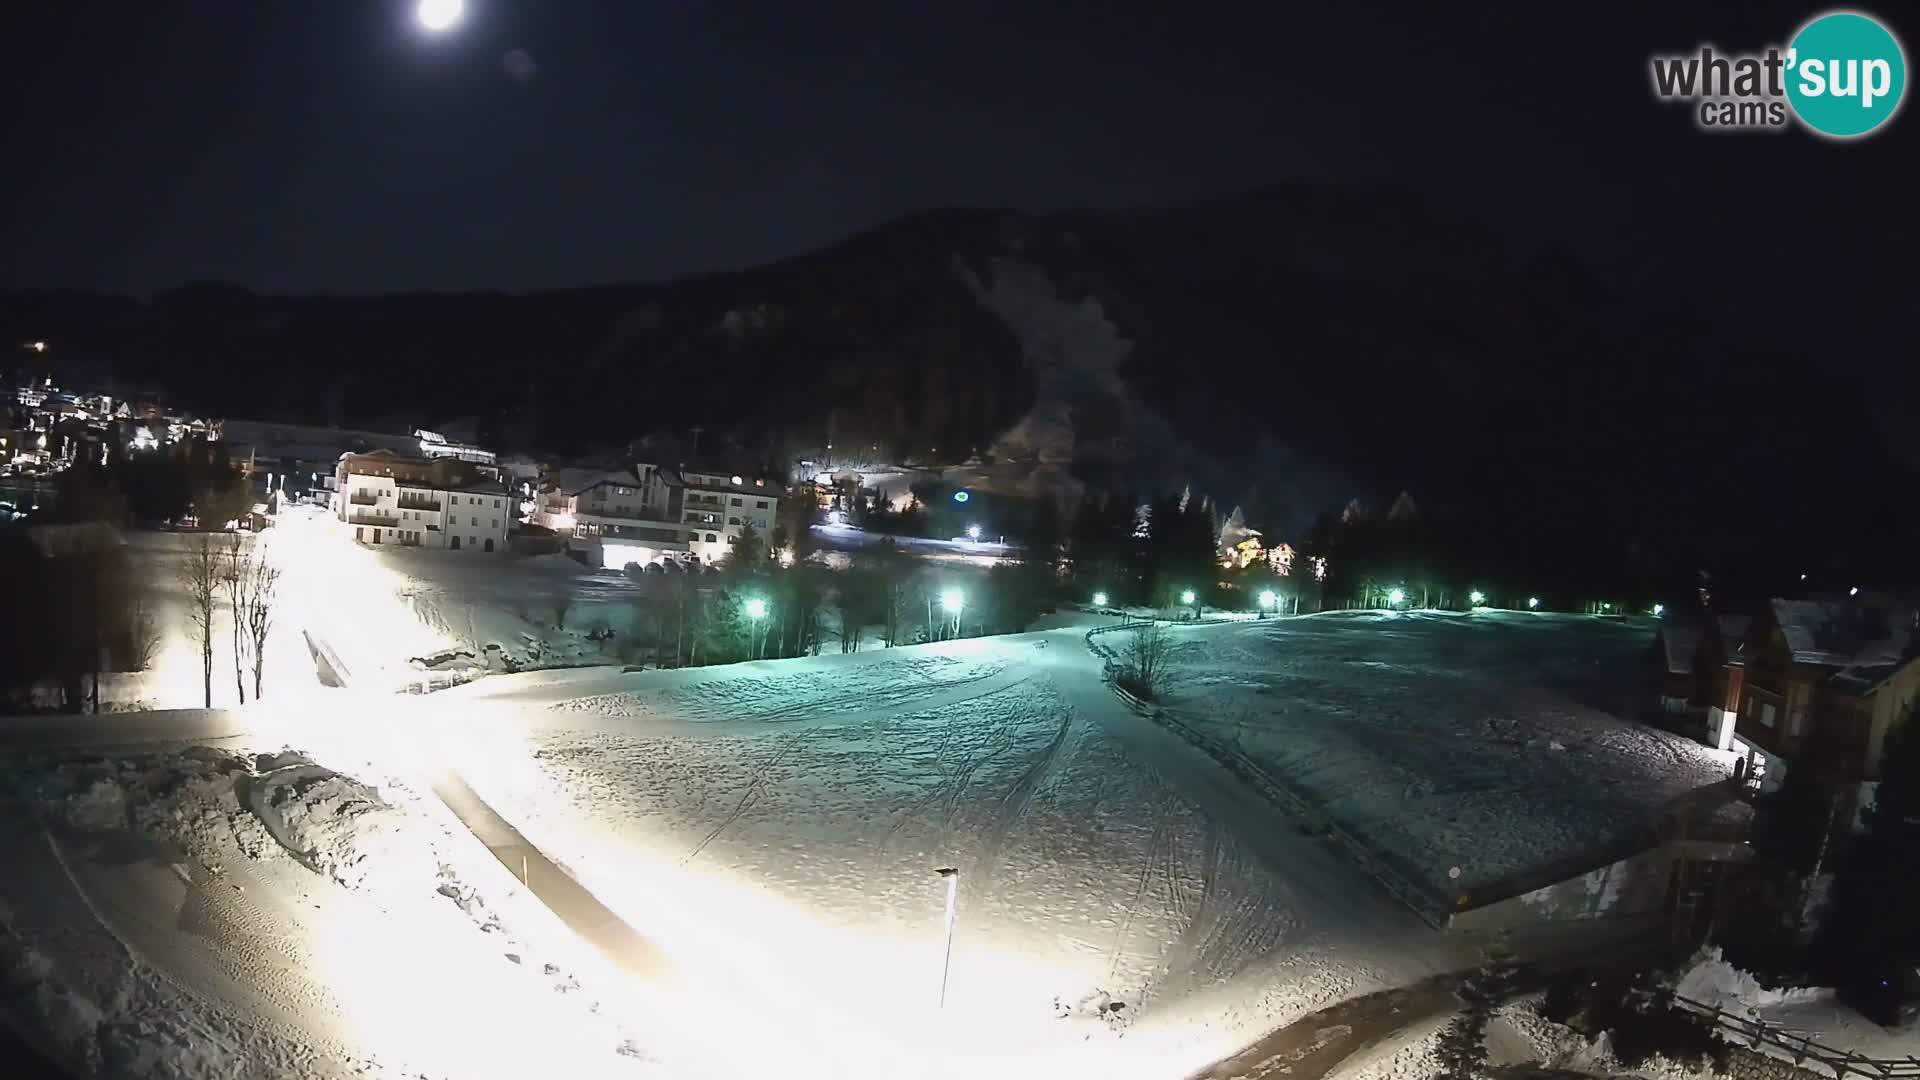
(438, 15)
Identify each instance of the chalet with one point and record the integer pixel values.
(1847, 670)
(1690, 658)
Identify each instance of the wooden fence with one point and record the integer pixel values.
(1802, 1048)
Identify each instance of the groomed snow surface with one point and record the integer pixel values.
(1498, 742)
(779, 826)
(774, 829)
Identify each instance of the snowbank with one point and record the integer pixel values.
(214, 913)
(1710, 980)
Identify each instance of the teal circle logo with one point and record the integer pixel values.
(1845, 74)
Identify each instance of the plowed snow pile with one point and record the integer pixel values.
(206, 913)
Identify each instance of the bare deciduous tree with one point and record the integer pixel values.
(1144, 660)
(201, 575)
(252, 587)
(235, 566)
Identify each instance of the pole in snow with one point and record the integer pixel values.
(952, 875)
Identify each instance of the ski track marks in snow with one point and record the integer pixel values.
(1491, 742)
(1071, 852)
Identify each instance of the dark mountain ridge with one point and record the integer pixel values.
(1224, 342)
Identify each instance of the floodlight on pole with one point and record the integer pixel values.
(756, 610)
(952, 601)
(1186, 596)
(1397, 597)
(1267, 602)
(1477, 597)
(1659, 609)
(973, 532)
(1533, 602)
(1099, 599)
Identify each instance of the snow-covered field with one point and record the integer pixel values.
(381, 618)
(783, 823)
(1496, 742)
(1125, 906)
(203, 913)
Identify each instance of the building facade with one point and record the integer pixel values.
(386, 498)
(648, 514)
(718, 507)
(1836, 674)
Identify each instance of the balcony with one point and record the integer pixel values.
(414, 502)
(364, 498)
(704, 502)
(377, 519)
(622, 513)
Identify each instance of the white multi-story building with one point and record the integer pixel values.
(384, 498)
(650, 513)
(716, 507)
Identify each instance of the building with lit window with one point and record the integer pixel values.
(717, 506)
(386, 498)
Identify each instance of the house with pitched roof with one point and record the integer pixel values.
(1845, 670)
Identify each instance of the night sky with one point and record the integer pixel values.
(298, 145)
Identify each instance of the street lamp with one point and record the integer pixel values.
(1476, 597)
(973, 532)
(1099, 599)
(1186, 597)
(1267, 601)
(1533, 602)
(952, 874)
(1659, 609)
(1397, 597)
(756, 610)
(953, 602)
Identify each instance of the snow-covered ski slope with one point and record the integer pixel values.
(1501, 743)
(785, 820)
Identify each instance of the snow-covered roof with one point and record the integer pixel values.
(716, 479)
(573, 481)
(1680, 640)
(1867, 642)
